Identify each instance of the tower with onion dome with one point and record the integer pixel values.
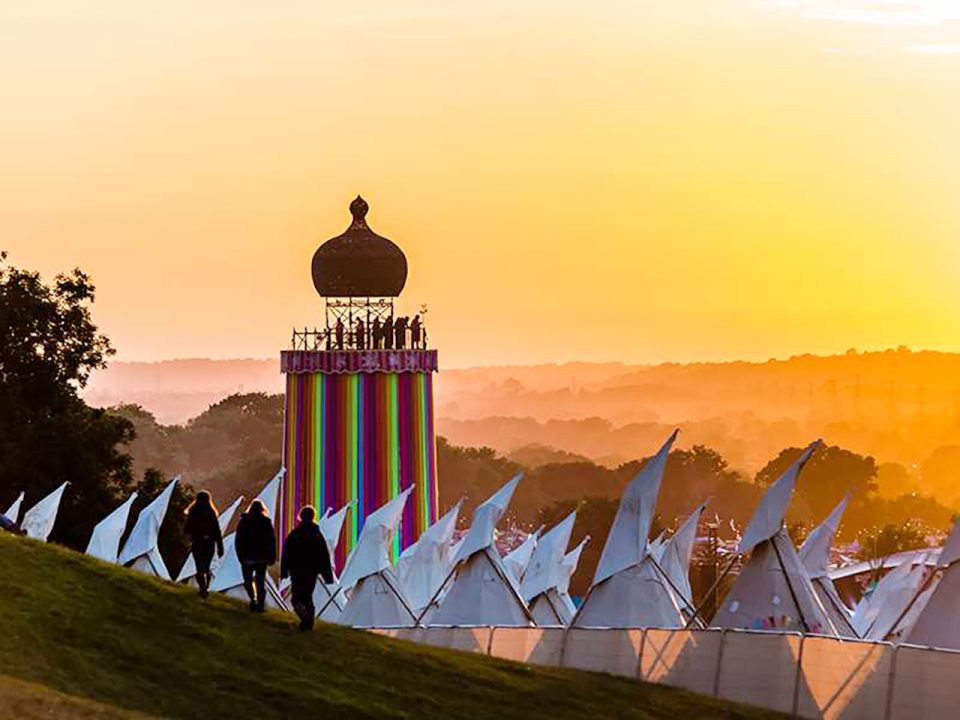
(358, 418)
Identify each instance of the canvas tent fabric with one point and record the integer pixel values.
(13, 512)
(815, 555)
(768, 518)
(189, 569)
(896, 602)
(485, 519)
(635, 597)
(550, 609)
(423, 566)
(478, 591)
(376, 599)
(570, 563)
(331, 527)
(140, 550)
(675, 559)
(481, 594)
(105, 540)
(933, 620)
(39, 520)
(866, 611)
(517, 560)
(545, 571)
(773, 592)
(627, 541)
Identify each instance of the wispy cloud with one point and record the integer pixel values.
(942, 49)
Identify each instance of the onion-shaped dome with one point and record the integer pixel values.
(359, 263)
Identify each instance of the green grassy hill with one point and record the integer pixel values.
(83, 639)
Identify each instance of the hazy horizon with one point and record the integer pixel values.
(705, 179)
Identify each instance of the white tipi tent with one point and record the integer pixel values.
(936, 621)
(517, 560)
(424, 565)
(868, 609)
(13, 512)
(629, 588)
(773, 590)
(105, 539)
(815, 555)
(331, 527)
(480, 591)
(570, 562)
(546, 574)
(228, 575)
(141, 551)
(39, 520)
(189, 570)
(675, 561)
(376, 599)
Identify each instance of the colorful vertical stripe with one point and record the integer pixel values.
(361, 437)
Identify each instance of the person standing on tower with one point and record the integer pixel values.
(388, 333)
(360, 341)
(400, 330)
(339, 333)
(415, 332)
(377, 334)
(305, 556)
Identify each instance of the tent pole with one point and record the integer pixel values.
(330, 600)
(389, 582)
(436, 595)
(713, 588)
(497, 566)
(786, 577)
(920, 591)
(675, 589)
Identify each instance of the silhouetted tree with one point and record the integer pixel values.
(49, 345)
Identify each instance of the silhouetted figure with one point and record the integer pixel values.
(388, 333)
(256, 546)
(361, 340)
(377, 334)
(415, 332)
(203, 528)
(400, 330)
(305, 556)
(339, 332)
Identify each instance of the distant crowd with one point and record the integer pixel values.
(389, 334)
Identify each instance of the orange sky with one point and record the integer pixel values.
(694, 179)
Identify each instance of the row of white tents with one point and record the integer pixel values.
(637, 583)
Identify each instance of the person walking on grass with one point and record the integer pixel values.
(305, 556)
(203, 528)
(256, 545)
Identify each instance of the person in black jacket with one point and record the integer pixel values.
(305, 555)
(256, 545)
(203, 528)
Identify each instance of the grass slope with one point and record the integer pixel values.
(93, 633)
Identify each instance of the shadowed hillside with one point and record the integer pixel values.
(78, 630)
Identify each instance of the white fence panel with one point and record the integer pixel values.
(843, 679)
(682, 658)
(538, 646)
(759, 668)
(611, 651)
(927, 684)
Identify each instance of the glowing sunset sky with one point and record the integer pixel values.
(691, 179)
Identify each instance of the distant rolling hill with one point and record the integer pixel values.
(83, 639)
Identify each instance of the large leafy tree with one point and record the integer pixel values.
(49, 345)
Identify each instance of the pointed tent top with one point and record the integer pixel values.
(815, 550)
(517, 560)
(271, 491)
(38, 521)
(627, 542)
(104, 541)
(227, 515)
(768, 517)
(372, 551)
(485, 519)
(331, 525)
(951, 547)
(545, 570)
(13, 512)
(440, 533)
(145, 534)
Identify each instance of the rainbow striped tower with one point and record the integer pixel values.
(358, 419)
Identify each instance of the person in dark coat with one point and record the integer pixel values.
(256, 545)
(377, 334)
(361, 338)
(400, 330)
(415, 332)
(388, 334)
(305, 556)
(203, 528)
(339, 334)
